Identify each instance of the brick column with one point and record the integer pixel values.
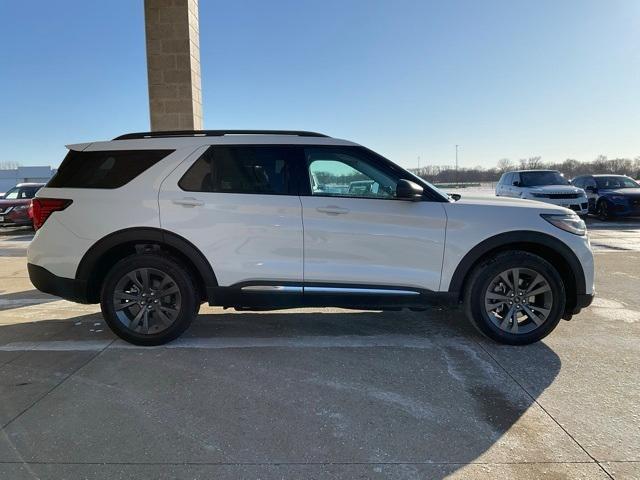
(173, 64)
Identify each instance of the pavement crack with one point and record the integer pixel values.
(535, 400)
(52, 389)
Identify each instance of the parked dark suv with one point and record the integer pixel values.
(610, 195)
(14, 204)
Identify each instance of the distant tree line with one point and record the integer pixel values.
(570, 168)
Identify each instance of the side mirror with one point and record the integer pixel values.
(455, 196)
(408, 190)
(516, 183)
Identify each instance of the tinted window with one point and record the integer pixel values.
(616, 182)
(533, 179)
(347, 173)
(104, 169)
(242, 169)
(28, 192)
(578, 182)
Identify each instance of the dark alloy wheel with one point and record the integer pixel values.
(148, 299)
(515, 298)
(603, 210)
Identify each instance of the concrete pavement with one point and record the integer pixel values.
(320, 393)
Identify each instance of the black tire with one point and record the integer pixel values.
(603, 210)
(481, 280)
(179, 281)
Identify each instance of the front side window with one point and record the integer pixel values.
(242, 169)
(346, 173)
(590, 182)
(28, 192)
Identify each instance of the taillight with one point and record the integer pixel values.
(42, 208)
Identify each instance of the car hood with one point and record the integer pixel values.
(634, 192)
(555, 189)
(511, 202)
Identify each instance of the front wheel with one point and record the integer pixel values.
(603, 211)
(515, 298)
(147, 299)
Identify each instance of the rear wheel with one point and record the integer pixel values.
(515, 298)
(148, 299)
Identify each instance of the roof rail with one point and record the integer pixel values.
(215, 133)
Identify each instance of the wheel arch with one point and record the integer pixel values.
(551, 249)
(97, 261)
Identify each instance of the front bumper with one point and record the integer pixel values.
(579, 205)
(67, 288)
(15, 218)
(583, 300)
(624, 210)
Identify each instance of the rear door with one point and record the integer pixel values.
(357, 233)
(238, 204)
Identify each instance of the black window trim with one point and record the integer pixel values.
(301, 185)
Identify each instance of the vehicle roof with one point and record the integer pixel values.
(608, 175)
(533, 170)
(196, 140)
(30, 184)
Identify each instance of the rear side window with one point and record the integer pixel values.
(104, 169)
(242, 169)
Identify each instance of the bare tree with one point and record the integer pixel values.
(531, 163)
(504, 165)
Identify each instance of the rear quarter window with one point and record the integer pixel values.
(104, 169)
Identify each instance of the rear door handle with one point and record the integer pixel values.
(188, 202)
(333, 210)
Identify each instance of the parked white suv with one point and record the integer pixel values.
(153, 224)
(547, 186)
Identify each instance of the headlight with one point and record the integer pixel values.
(568, 222)
(618, 198)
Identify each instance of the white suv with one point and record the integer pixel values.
(153, 224)
(547, 186)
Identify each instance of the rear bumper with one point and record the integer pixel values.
(67, 288)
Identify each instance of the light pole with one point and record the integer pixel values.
(457, 164)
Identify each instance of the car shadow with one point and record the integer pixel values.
(9, 301)
(417, 391)
(26, 232)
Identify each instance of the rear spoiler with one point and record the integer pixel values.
(78, 147)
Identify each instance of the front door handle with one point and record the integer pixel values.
(333, 210)
(188, 202)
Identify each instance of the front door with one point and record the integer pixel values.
(357, 233)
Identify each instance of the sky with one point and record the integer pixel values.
(502, 78)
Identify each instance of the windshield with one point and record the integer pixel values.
(12, 194)
(616, 182)
(534, 179)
